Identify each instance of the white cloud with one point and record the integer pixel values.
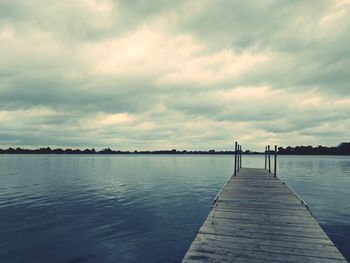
(172, 59)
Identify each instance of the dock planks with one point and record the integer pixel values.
(257, 218)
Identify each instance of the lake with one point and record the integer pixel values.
(141, 208)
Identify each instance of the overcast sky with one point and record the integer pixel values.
(174, 74)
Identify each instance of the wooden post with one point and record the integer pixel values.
(275, 170)
(235, 166)
(240, 159)
(265, 157)
(268, 152)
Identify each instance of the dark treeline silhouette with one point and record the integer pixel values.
(48, 150)
(341, 149)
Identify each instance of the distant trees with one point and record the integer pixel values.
(106, 151)
(46, 150)
(342, 149)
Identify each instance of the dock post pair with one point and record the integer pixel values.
(238, 158)
(268, 159)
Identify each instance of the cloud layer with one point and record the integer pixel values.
(174, 74)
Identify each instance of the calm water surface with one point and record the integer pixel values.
(144, 208)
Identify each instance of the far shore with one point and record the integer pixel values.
(341, 149)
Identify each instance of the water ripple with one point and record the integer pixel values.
(139, 208)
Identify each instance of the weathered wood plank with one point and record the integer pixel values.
(257, 209)
(267, 244)
(264, 232)
(297, 217)
(232, 205)
(249, 248)
(218, 216)
(273, 206)
(233, 255)
(258, 218)
(253, 226)
(266, 222)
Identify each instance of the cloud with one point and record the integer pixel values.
(165, 74)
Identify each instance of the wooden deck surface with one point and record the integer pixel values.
(258, 218)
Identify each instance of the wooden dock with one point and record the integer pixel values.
(257, 218)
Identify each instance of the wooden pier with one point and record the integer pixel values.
(257, 218)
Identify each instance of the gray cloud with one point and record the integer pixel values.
(173, 74)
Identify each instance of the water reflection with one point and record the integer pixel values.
(139, 208)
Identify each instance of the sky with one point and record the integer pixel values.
(158, 74)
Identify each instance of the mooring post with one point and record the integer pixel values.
(240, 159)
(265, 157)
(235, 166)
(275, 170)
(268, 152)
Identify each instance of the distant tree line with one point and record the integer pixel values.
(48, 150)
(341, 149)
